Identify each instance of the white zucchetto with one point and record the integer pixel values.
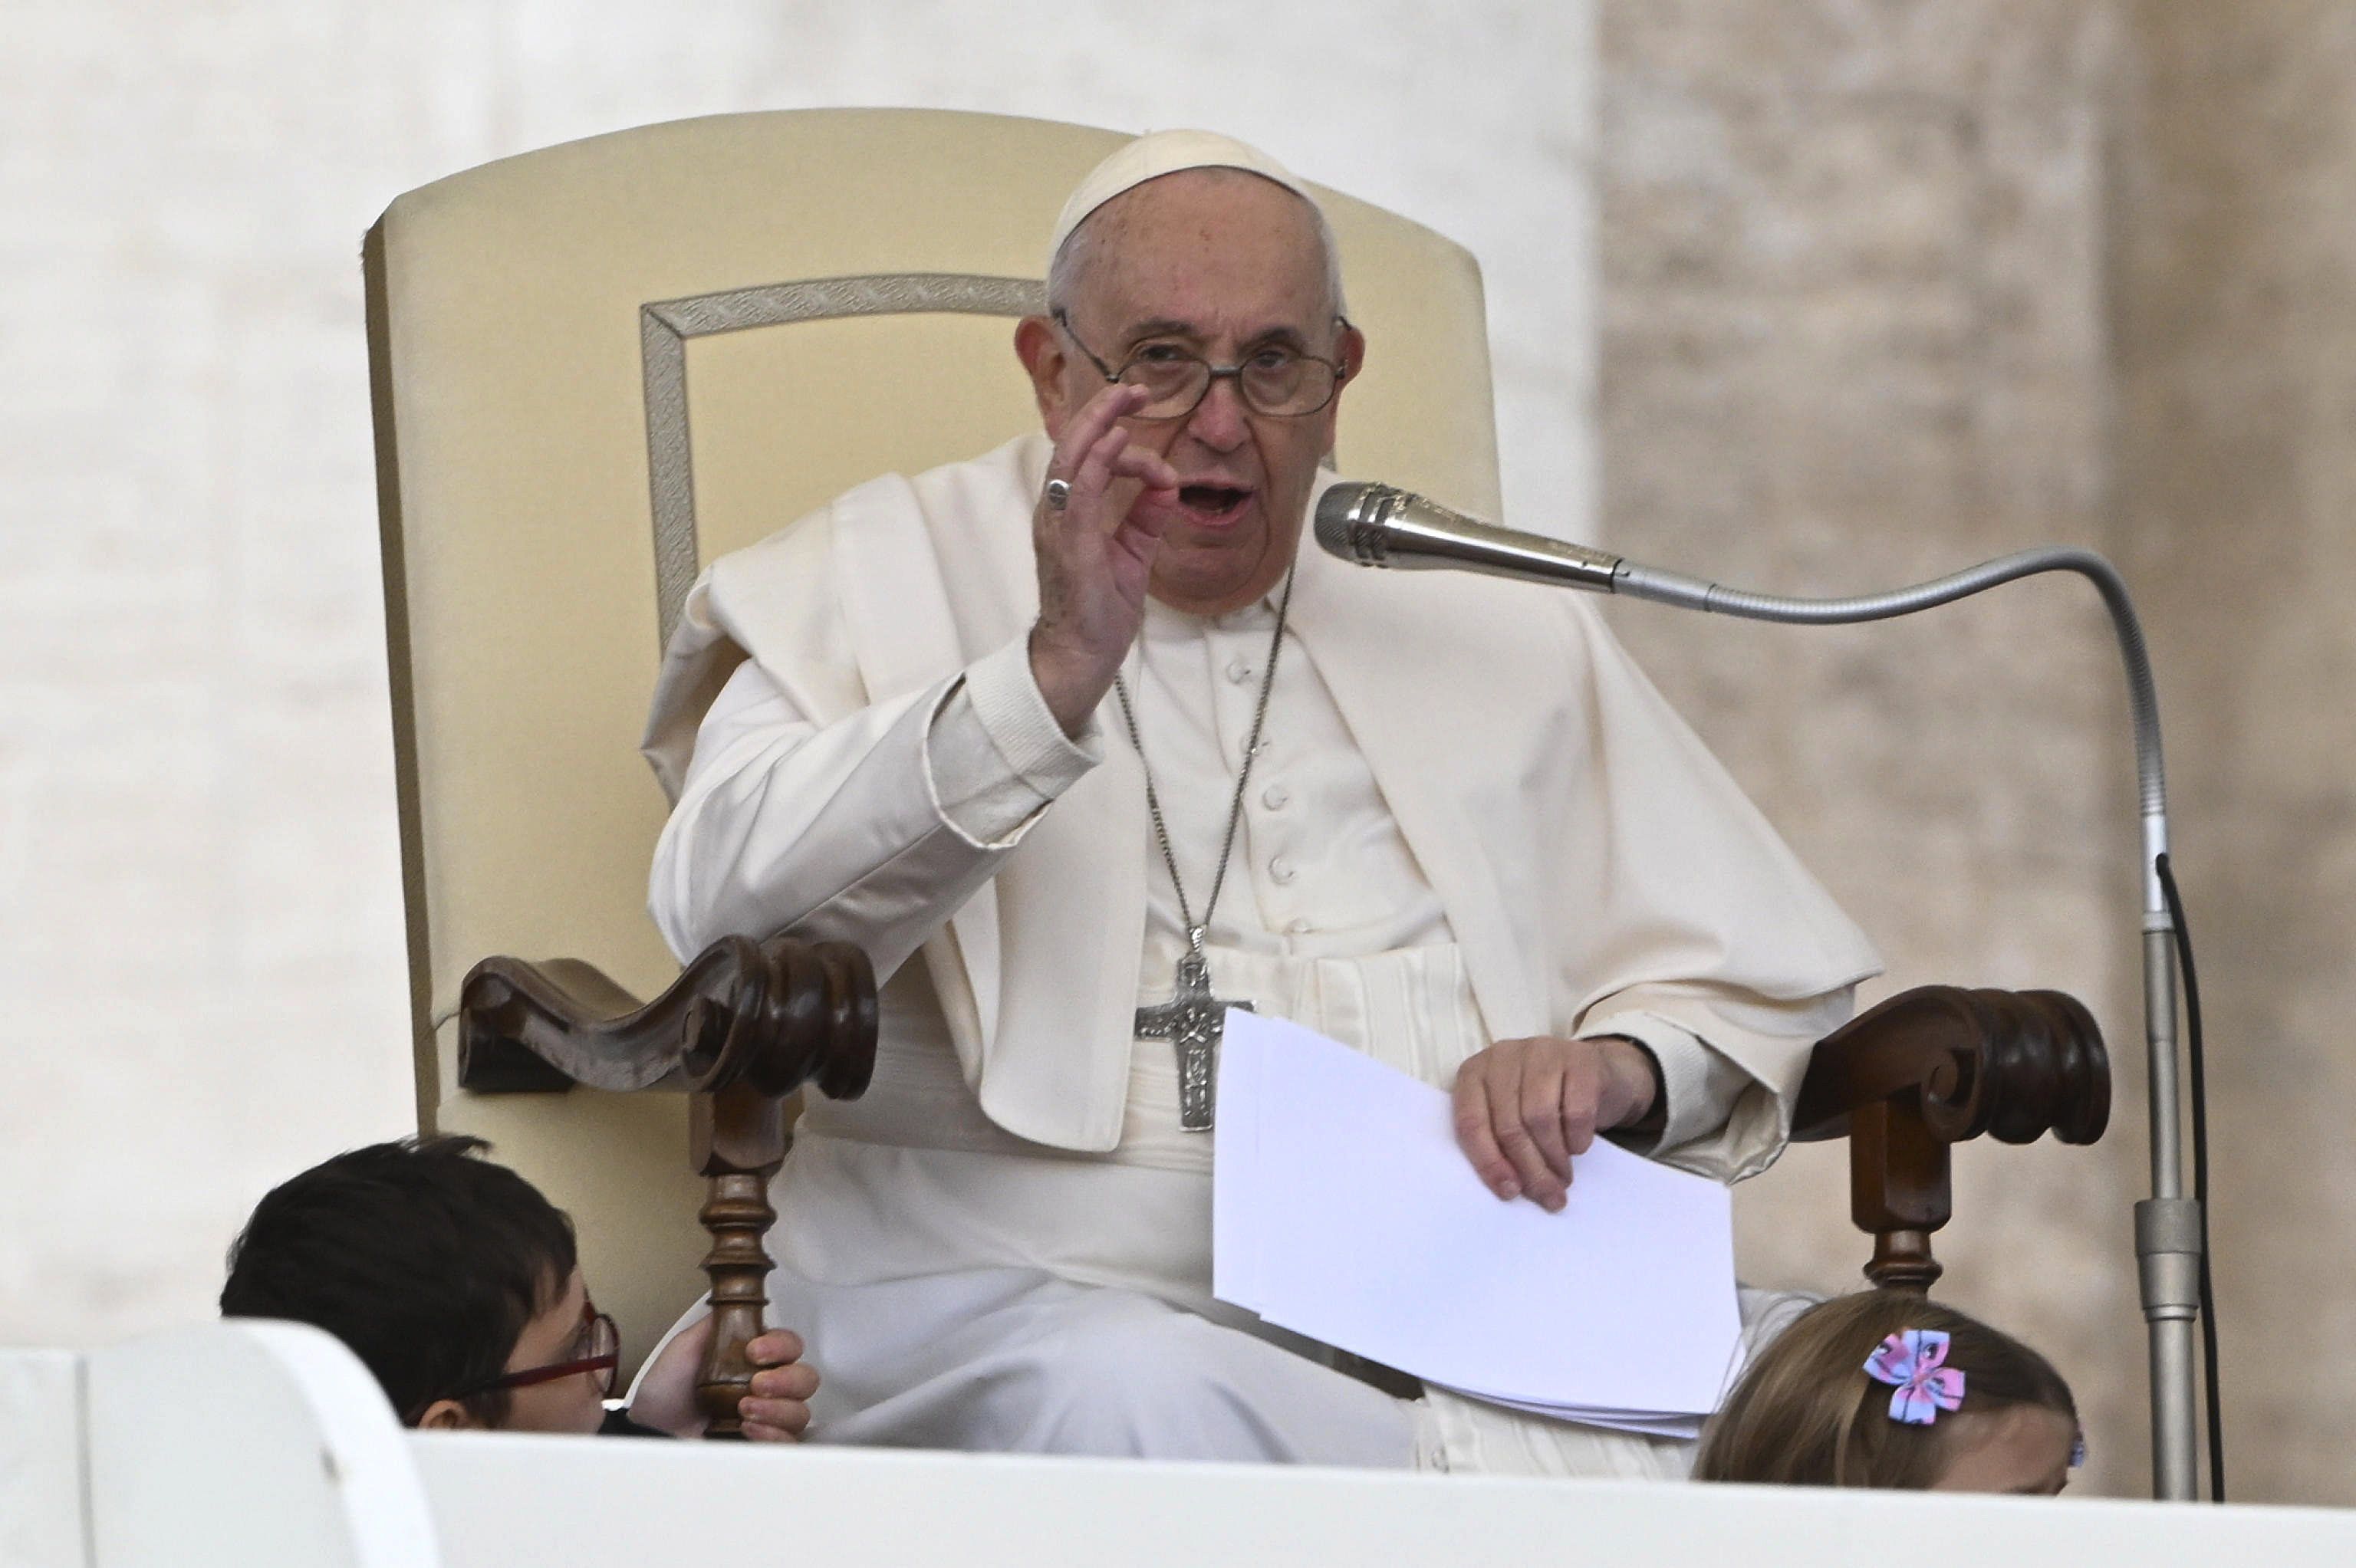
(1159, 152)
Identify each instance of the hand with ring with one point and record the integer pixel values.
(1095, 556)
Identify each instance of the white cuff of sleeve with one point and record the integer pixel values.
(1007, 700)
(994, 756)
(1699, 1086)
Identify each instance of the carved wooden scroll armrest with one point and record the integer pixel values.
(744, 1025)
(1933, 1067)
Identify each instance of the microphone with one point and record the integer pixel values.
(1380, 524)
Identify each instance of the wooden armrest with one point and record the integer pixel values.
(775, 1014)
(1933, 1067)
(744, 1025)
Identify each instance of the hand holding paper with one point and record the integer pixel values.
(1344, 1209)
(1526, 1108)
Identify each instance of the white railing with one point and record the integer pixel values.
(265, 1445)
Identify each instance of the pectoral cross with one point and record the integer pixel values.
(1194, 1020)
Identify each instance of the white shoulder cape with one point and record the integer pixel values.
(1586, 846)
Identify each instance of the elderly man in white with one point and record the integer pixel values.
(1079, 725)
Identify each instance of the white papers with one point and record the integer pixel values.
(1343, 1209)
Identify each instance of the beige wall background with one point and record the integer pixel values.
(1888, 289)
(1813, 295)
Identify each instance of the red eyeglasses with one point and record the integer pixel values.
(599, 1343)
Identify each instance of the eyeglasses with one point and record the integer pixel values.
(1278, 382)
(597, 1347)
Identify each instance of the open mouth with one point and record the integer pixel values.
(1213, 503)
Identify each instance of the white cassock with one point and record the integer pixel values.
(1471, 819)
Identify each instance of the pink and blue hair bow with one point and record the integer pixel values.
(1912, 1361)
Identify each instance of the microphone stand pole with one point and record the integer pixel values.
(2168, 1224)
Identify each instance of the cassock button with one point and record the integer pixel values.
(1238, 671)
(1282, 869)
(1300, 928)
(1276, 797)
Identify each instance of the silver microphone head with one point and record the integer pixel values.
(1350, 518)
(1381, 525)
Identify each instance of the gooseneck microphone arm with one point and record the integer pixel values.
(1380, 526)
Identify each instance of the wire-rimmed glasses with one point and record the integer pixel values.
(1274, 381)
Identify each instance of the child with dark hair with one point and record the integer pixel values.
(1883, 1388)
(456, 1283)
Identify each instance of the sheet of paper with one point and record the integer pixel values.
(1343, 1209)
(1686, 1426)
(1235, 1147)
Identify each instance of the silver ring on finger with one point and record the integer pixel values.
(1058, 493)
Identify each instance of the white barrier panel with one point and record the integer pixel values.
(265, 1446)
(41, 1460)
(259, 1444)
(542, 1499)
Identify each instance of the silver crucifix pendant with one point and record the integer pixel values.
(1193, 1019)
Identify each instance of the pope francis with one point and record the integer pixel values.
(1075, 734)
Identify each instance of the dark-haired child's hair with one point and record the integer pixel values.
(426, 1261)
(1805, 1413)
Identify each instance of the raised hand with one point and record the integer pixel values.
(1525, 1107)
(1093, 558)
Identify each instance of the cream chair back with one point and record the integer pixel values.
(598, 366)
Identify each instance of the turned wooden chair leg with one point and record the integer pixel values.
(1899, 1192)
(737, 1140)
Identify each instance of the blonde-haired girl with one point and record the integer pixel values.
(1882, 1388)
